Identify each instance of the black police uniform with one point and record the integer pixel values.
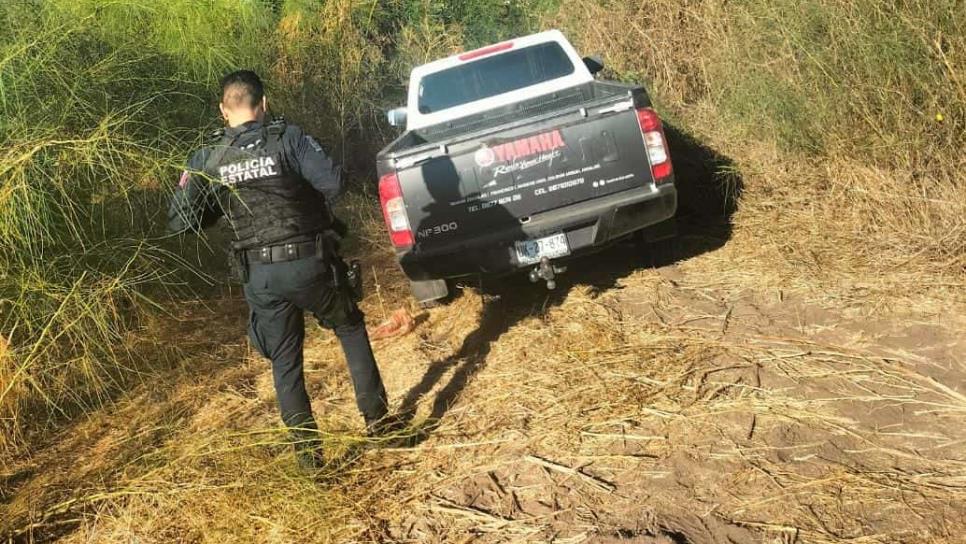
(272, 183)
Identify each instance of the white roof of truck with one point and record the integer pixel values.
(416, 120)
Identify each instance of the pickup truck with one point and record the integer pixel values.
(515, 157)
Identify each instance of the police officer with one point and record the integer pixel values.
(273, 183)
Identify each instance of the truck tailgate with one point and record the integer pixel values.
(487, 187)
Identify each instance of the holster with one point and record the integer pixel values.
(239, 264)
(341, 275)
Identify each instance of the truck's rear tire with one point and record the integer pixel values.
(659, 253)
(429, 293)
(658, 243)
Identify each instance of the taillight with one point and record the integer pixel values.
(656, 144)
(394, 211)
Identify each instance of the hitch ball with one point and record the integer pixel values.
(546, 271)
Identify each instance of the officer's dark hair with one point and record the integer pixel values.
(242, 87)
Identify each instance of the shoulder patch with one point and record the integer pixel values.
(315, 145)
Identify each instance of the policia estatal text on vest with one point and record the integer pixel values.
(273, 183)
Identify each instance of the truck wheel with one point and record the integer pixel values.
(659, 253)
(429, 293)
(658, 243)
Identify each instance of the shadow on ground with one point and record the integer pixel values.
(709, 189)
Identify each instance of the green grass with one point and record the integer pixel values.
(99, 104)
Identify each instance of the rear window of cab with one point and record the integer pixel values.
(492, 76)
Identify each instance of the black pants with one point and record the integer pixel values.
(278, 294)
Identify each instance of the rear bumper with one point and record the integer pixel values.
(589, 226)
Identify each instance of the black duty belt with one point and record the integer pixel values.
(282, 253)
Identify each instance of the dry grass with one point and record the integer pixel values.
(849, 232)
(665, 405)
(828, 112)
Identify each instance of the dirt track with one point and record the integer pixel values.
(635, 404)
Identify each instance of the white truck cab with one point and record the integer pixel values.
(491, 77)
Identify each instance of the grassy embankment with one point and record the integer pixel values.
(844, 121)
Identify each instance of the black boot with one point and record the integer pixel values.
(308, 449)
(309, 459)
(388, 426)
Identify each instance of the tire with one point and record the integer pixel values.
(658, 253)
(431, 293)
(657, 244)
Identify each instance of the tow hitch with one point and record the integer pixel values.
(546, 271)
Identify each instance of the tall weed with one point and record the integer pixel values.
(98, 102)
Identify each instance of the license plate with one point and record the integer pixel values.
(551, 247)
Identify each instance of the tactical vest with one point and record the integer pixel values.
(265, 201)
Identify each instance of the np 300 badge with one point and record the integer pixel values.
(438, 229)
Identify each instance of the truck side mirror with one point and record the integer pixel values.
(397, 117)
(594, 63)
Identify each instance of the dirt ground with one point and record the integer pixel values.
(634, 404)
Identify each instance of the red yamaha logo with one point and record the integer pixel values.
(485, 157)
(523, 148)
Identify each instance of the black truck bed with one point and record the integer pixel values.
(494, 171)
